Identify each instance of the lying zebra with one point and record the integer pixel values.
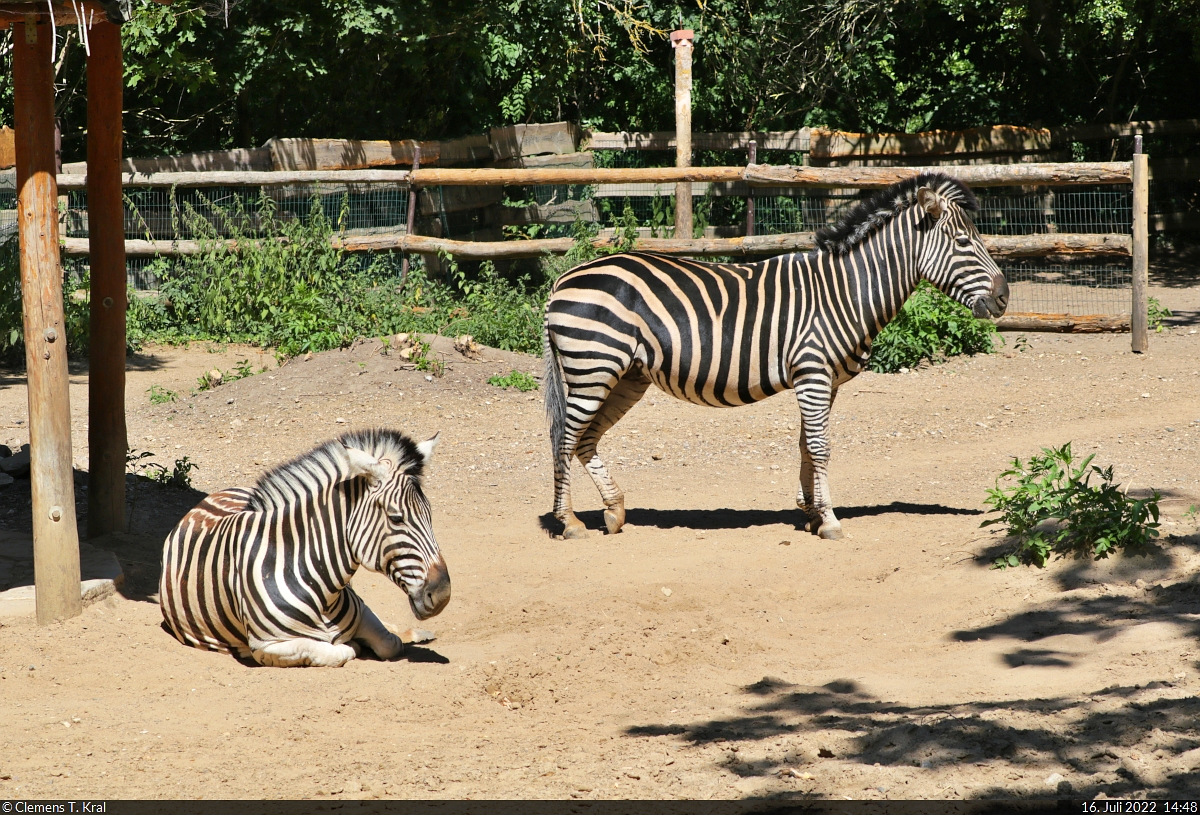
(728, 334)
(265, 572)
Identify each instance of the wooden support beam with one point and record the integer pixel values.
(978, 175)
(573, 175)
(78, 181)
(1063, 323)
(107, 441)
(1001, 247)
(1096, 132)
(761, 175)
(978, 140)
(790, 140)
(55, 536)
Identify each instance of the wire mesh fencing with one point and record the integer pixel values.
(719, 210)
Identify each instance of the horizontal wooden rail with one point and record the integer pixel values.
(250, 178)
(976, 175)
(1064, 323)
(761, 175)
(1001, 247)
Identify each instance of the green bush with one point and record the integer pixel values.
(1053, 508)
(75, 309)
(930, 326)
(515, 379)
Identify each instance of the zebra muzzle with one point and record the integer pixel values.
(429, 600)
(993, 304)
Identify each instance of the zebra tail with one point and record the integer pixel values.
(556, 397)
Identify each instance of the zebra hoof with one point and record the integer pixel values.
(575, 531)
(831, 531)
(614, 519)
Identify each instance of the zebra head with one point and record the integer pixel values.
(393, 531)
(951, 254)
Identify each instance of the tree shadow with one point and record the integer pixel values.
(1100, 617)
(1118, 740)
(728, 518)
(1085, 735)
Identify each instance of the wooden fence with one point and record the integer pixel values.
(560, 154)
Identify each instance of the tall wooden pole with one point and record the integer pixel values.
(411, 223)
(681, 41)
(107, 441)
(55, 536)
(751, 158)
(1141, 249)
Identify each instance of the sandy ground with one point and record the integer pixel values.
(711, 650)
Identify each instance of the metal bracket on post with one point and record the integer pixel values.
(31, 23)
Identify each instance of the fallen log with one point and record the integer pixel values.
(1064, 323)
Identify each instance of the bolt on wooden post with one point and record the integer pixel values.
(681, 41)
(55, 536)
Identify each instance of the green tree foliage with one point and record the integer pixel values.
(209, 75)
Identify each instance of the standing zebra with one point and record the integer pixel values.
(265, 572)
(724, 334)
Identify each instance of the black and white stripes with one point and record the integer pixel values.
(731, 334)
(265, 572)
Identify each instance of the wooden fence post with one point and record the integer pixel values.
(751, 158)
(107, 439)
(55, 536)
(681, 41)
(412, 211)
(1141, 249)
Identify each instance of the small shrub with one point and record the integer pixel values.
(1156, 312)
(515, 379)
(1053, 508)
(160, 395)
(217, 377)
(423, 362)
(931, 327)
(180, 476)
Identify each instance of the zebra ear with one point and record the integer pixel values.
(930, 201)
(425, 448)
(365, 464)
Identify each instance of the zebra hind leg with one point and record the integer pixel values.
(302, 652)
(628, 391)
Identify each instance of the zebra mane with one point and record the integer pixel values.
(882, 206)
(310, 472)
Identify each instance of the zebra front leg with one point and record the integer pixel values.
(301, 652)
(375, 636)
(816, 401)
(804, 491)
